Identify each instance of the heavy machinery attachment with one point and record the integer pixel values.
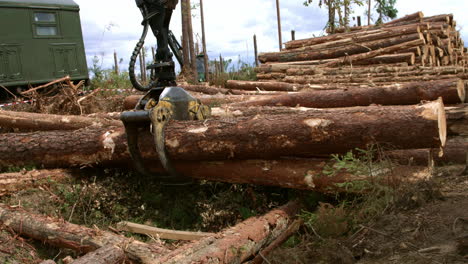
(163, 101)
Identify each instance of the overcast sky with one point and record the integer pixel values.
(110, 25)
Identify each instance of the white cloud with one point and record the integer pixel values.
(230, 25)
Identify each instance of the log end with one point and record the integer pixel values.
(435, 111)
(461, 89)
(442, 122)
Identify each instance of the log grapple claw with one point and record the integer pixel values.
(157, 108)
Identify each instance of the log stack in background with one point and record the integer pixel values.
(410, 49)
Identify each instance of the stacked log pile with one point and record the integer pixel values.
(413, 39)
(410, 49)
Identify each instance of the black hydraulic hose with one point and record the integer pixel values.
(133, 58)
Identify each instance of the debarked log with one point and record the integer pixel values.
(239, 243)
(62, 234)
(451, 90)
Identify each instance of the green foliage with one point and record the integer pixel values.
(108, 78)
(96, 69)
(242, 71)
(354, 202)
(360, 162)
(342, 8)
(386, 10)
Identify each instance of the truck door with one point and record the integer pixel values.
(65, 59)
(10, 63)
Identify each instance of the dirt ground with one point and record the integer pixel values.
(427, 224)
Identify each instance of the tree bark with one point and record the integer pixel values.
(185, 37)
(406, 20)
(359, 36)
(267, 86)
(329, 53)
(193, 56)
(239, 243)
(364, 79)
(374, 53)
(367, 72)
(454, 152)
(210, 100)
(314, 70)
(457, 120)
(415, 17)
(452, 91)
(62, 234)
(35, 121)
(214, 90)
(103, 255)
(301, 135)
(16, 181)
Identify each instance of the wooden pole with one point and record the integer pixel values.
(143, 61)
(369, 12)
(153, 54)
(255, 50)
(293, 35)
(185, 42)
(193, 56)
(279, 25)
(205, 54)
(116, 63)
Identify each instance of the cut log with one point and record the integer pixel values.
(452, 91)
(62, 234)
(370, 35)
(349, 60)
(457, 120)
(283, 68)
(445, 18)
(267, 86)
(161, 233)
(103, 255)
(337, 52)
(15, 181)
(305, 79)
(455, 152)
(248, 85)
(418, 16)
(359, 73)
(306, 174)
(211, 100)
(36, 122)
(239, 243)
(212, 90)
(293, 228)
(302, 135)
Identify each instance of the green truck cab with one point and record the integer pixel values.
(40, 41)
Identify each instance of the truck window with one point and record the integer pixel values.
(45, 24)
